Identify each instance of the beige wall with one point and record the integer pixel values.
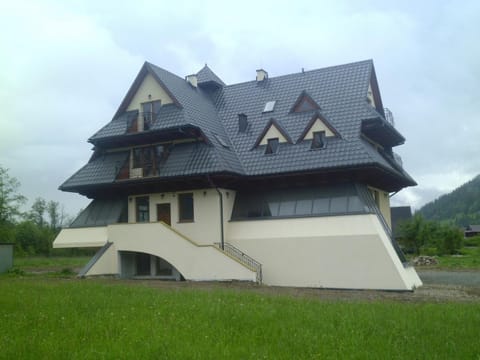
(370, 95)
(205, 228)
(318, 125)
(194, 261)
(81, 237)
(384, 202)
(272, 133)
(333, 252)
(148, 87)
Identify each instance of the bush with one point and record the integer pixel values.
(472, 241)
(420, 236)
(449, 240)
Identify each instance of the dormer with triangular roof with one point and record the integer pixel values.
(208, 80)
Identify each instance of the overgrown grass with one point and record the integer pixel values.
(46, 263)
(75, 319)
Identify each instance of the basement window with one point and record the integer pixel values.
(269, 106)
(185, 207)
(318, 141)
(272, 146)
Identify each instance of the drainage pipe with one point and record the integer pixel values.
(220, 197)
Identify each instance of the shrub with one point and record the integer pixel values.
(472, 241)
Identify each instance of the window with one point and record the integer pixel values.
(185, 207)
(149, 113)
(318, 141)
(300, 202)
(150, 159)
(272, 146)
(142, 205)
(269, 106)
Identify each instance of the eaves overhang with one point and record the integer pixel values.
(380, 131)
(144, 137)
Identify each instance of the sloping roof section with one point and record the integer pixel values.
(102, 212)
(340, 90)
(304, 103)
(207, 77)
(102, 170)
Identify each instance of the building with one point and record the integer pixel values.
(471, 231)
(281, 180)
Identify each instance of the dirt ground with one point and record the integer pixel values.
(430, 293)
(439, 286)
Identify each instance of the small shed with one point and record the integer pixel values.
(472, 230)
(6, 257)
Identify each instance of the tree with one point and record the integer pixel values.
(10, 199)
(412, 233)
(54, 215)
(37, 211)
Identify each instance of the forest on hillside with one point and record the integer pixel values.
(460, 207)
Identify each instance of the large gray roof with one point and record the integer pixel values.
(340, 92)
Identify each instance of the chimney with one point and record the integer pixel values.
(242, 123)
(192, 80)
(261, 75)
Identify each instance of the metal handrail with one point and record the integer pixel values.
(243, 258)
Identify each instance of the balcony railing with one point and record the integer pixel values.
(143, 122)
(389, 116)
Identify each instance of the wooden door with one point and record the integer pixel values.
(163, 213)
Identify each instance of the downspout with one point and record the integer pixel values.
(220, 197)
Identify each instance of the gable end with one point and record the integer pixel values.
(316, 124)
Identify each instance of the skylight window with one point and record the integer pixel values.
(269, 106)
(272, 146)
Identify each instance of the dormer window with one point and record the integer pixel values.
(318, 141)
(272, 146)
(149, 113)
(269, 106)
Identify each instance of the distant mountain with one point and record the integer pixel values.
(461, 206)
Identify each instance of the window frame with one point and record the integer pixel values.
(318, 143)
(272, 146)
(137, 210)
(181, 208)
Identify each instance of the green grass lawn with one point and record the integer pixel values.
(468, 259)
(44, 318)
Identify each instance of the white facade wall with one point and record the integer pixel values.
(350, 252)
(194, 261)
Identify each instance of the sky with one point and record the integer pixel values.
(65, 66)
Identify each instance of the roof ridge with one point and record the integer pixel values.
(307, 71)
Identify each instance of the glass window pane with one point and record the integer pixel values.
(273, 207)
(338, 204)
(321, 206)
(185, 205)
(142, 209)
(354, 204)
(304, 207)
(156, 106)
(287, 208)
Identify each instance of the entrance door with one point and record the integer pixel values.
(163, 213)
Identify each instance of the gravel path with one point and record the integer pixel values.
(464, 278)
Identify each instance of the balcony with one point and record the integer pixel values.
(143, 122)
